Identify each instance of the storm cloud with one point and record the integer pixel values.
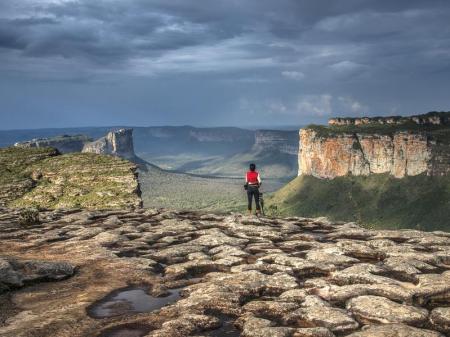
(203, 62)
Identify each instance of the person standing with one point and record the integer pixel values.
(252, 183)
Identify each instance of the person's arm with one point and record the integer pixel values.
(246, 181)
(259, 179)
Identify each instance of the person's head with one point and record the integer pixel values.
(252, 167)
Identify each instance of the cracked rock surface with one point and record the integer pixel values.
(158, 273)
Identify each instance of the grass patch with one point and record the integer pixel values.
(380, 201)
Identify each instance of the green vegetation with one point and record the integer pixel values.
(439, 133)
(380, 201)
(14, 162)
(29, 217)
(39, 177)
(183, 191)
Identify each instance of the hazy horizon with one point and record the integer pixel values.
(245, 127)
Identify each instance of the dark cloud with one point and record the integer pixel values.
(222, 62)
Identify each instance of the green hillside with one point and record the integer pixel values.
(42, 177)
(380, 201)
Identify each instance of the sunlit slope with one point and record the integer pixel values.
(377, 200)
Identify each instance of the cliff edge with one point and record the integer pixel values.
(42, 177)
(399, 149)
(117, 143)
(378, 173)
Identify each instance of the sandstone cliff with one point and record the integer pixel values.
(402, 154)
(117, 143)
(282, 141)
(364, 149)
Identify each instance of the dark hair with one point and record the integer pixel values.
(252, 167)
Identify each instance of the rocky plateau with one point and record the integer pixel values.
(398, 146)
(159, 273)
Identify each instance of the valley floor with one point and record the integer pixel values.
(158, 273)
(185, 191)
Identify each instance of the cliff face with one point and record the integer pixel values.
(401, 154)
(282, 141)
(117, 143)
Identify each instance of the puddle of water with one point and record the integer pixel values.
(127, 330)
(130, 300)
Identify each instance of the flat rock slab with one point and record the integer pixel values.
(376, 309)
(14, 273)
(440, 318)
(158, 273)
(395, 330)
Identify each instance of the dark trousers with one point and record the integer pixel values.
(253, 192)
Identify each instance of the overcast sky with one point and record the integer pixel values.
(210, 62)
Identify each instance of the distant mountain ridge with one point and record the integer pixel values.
(219, 151)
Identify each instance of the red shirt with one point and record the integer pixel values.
(252, 177)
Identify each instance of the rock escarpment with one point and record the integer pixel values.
(281, 141)
(117, 143)
(235, 276)
(41, 177)
(403, 154)
(329, 152)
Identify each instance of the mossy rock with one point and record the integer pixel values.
(44, 178)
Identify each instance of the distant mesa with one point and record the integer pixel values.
(399, 146)
(64, 143)
(282, 141)
(117, 143)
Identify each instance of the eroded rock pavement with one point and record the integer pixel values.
(162, 274)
